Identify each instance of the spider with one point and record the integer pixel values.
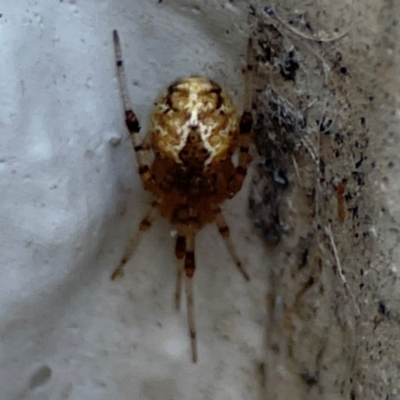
(194, 131)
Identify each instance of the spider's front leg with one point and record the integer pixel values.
(131, 120)
(245, 124)
(245, 131)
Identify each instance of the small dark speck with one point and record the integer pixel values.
(382, 308)
(261, 370)
(370, 98)
(354, 211)
(348, 196)
(269, 11)
(160, 1)
(308, 26)
(339, 138)
(390, 164)
(359, 162)
(343, 70)
(1, 15)
(303, 258)
(119, 63)
(309, 378)
(362, 285)
(40, 377)
(359, 177)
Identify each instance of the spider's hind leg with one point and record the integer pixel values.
(184, 251)
(189, 268)
(180, 250)
(223, 229)
(144, 225)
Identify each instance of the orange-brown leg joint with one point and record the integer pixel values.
(146, 176)
(237, 180)
(246, 122)
(180, 247)
(224, 231)
(132, 122)
(144, 225)
(189, 264)
(244, 156)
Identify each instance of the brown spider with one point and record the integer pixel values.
(194, 130)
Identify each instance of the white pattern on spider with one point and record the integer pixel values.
(194, 129)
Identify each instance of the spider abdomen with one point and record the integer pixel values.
(194, 123)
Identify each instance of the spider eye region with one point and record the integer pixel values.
(194, 122)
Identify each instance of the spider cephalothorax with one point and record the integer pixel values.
(194, 130)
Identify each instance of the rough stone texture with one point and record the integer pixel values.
(328, 141)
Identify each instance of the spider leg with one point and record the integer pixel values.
(236, 181)
(184, 252)
(245, 125)
(248, 76)
(180, 250)
(189, 267)
(224, 232)
(131, 120)
(144, 225)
